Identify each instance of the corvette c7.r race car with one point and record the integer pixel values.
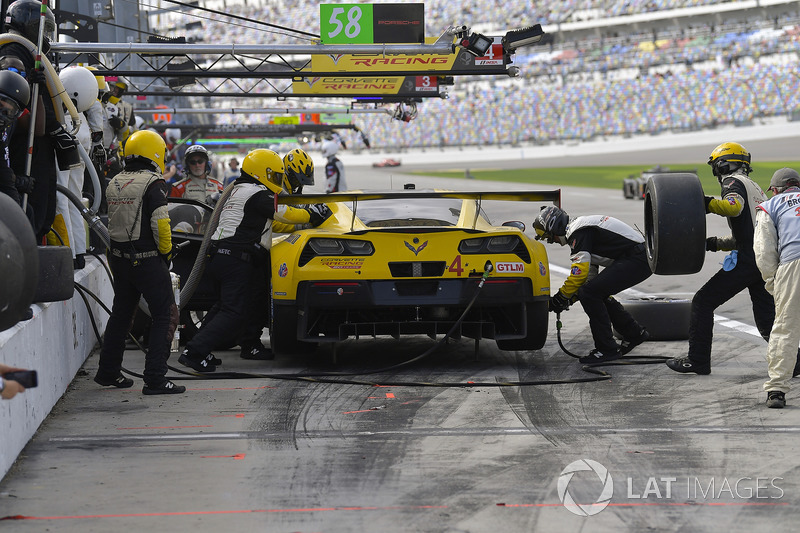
(410, 262)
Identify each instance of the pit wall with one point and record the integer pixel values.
(55, 343)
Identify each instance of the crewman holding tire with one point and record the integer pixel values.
(239, 261)
(595, 241)
(141, 248)
(730, 163)
(777, 250)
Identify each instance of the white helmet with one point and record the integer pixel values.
(138, 122)
(329, 148)
(173, 135)
(80, 85)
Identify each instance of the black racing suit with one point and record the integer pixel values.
(138, 223)
(43, 164)
(599, 240)
(239, 264)
(740, 197)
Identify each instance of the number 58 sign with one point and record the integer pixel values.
(367, 23)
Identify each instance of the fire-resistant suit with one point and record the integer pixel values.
(139, 227)
(599, 240)
(740, 198)
(239, 264)
(777, 253)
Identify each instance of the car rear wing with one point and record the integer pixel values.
(509, 196)
(355, 197)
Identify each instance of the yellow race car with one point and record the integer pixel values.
(408, 263)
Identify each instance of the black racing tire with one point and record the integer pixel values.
(629, 188)
(666, 319)
(675, 224)
(56, 274)
(537, 321)
(283, 332)
(19, 270)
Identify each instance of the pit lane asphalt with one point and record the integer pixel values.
(684, 452)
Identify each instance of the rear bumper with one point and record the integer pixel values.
(330, 311)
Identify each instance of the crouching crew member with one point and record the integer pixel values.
(239, 261)
(595, 241)
(141, 246)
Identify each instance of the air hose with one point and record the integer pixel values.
(328, 377)
(624, 360)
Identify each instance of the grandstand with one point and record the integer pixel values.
(610, 69)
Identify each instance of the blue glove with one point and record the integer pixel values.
(730, 261)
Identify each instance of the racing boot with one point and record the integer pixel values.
(257, 352)
(167, 387)
(685, 365)
(627, 345)
(198, 363)
(596, 356)
(776, 399)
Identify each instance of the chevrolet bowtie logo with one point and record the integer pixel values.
(416, 250)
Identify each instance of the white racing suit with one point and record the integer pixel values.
(777, 249)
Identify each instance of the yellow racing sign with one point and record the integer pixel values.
(356, 85)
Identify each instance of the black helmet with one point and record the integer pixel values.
(15, 93)
(551, 223)
(24, 16)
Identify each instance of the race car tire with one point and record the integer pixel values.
(56, 273)
(666, 319)
(675, 224)
(283, 332)
(19, 270)
(537, 322)
(629, 188)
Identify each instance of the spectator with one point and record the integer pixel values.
(231, 172)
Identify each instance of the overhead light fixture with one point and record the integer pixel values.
(522, 37)
(477, 44)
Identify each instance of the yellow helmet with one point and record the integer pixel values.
(102, 86)
(265, 166)
(299, 171)
(729, 157)
(148, 145)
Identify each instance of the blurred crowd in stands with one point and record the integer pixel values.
(621, 83)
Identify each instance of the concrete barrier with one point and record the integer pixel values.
(55, 343)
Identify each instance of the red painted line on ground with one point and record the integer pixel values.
(169, 427)
(239, 415)
(361, 411)
(242, 511)
(652, 504)
(237, 456)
